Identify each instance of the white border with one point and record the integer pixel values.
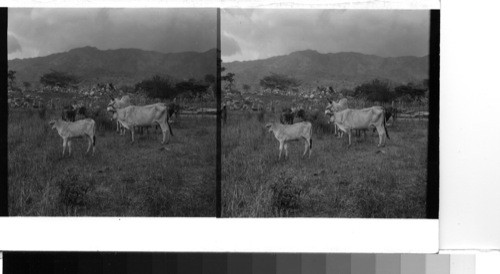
(222, 235)
(219, 235)
(295, 4)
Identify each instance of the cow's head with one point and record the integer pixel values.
(269, 127)
(52, 123)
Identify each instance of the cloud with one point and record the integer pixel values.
(13, 45)
(46, 31)
(229, 46)
(266, 33)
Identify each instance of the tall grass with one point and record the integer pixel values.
(361, 181)
(121, 179)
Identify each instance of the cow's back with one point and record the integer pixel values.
(142, 115)
(360, 118)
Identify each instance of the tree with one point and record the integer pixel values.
(11, 77)
(59, 79)
(210, 79)
(246, 87)
(410, 92)
(279, 81)
(229, 79)
(375, 91)
(27, 85)
(157, 87)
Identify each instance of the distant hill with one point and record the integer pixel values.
(120, 66)
(340, 70)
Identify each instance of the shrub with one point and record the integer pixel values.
(285, 197)
(261, 115)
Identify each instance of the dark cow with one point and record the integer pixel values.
(287, 116)
(68, 114)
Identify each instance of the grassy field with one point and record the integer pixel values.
(362, 181)
(121, 179)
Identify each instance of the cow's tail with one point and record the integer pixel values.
(310, 137)
(93, 132)
(385, 128)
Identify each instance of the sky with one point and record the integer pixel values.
(43, 31)
(263, 33)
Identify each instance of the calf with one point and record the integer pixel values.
(288, 133)
(70, 130)
(350, 119)
(132, 116)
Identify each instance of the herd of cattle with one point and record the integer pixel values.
(126, 115)
(344, 119)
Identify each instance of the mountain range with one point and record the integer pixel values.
(119, 66)
(339, 70)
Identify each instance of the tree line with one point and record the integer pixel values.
(375, 90)
(163, 87)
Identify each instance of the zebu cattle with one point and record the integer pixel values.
(68, 114)
(118, 104)
(350, 119)
(132, 116)
(287, 116)
(333, 107)
(70, 130)
(287, 133)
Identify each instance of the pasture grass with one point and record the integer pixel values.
(362, 181)
(122, 179)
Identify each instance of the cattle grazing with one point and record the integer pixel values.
(351, 119)
(287, 133)
(132, 116)
(71, 130)
(68, 114)
(118, 104)
(223, 114)
(333, 107)
(287, 116)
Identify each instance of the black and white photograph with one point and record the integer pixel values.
(325, 113)
(111, 111)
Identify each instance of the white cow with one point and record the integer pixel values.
(70, 130)
(294, 132)
(350, 119)
(132, 116)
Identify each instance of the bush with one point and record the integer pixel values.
(285, 197)
(279, 81)
(261, 115)
(73, 191)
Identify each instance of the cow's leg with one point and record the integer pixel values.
(281, 149)
(381, 135)
(90, 144)
(69, 146)
(305, 147)
(132, 130)
(286, 150)
(164, 127)
(349, 133)
(65, 143)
